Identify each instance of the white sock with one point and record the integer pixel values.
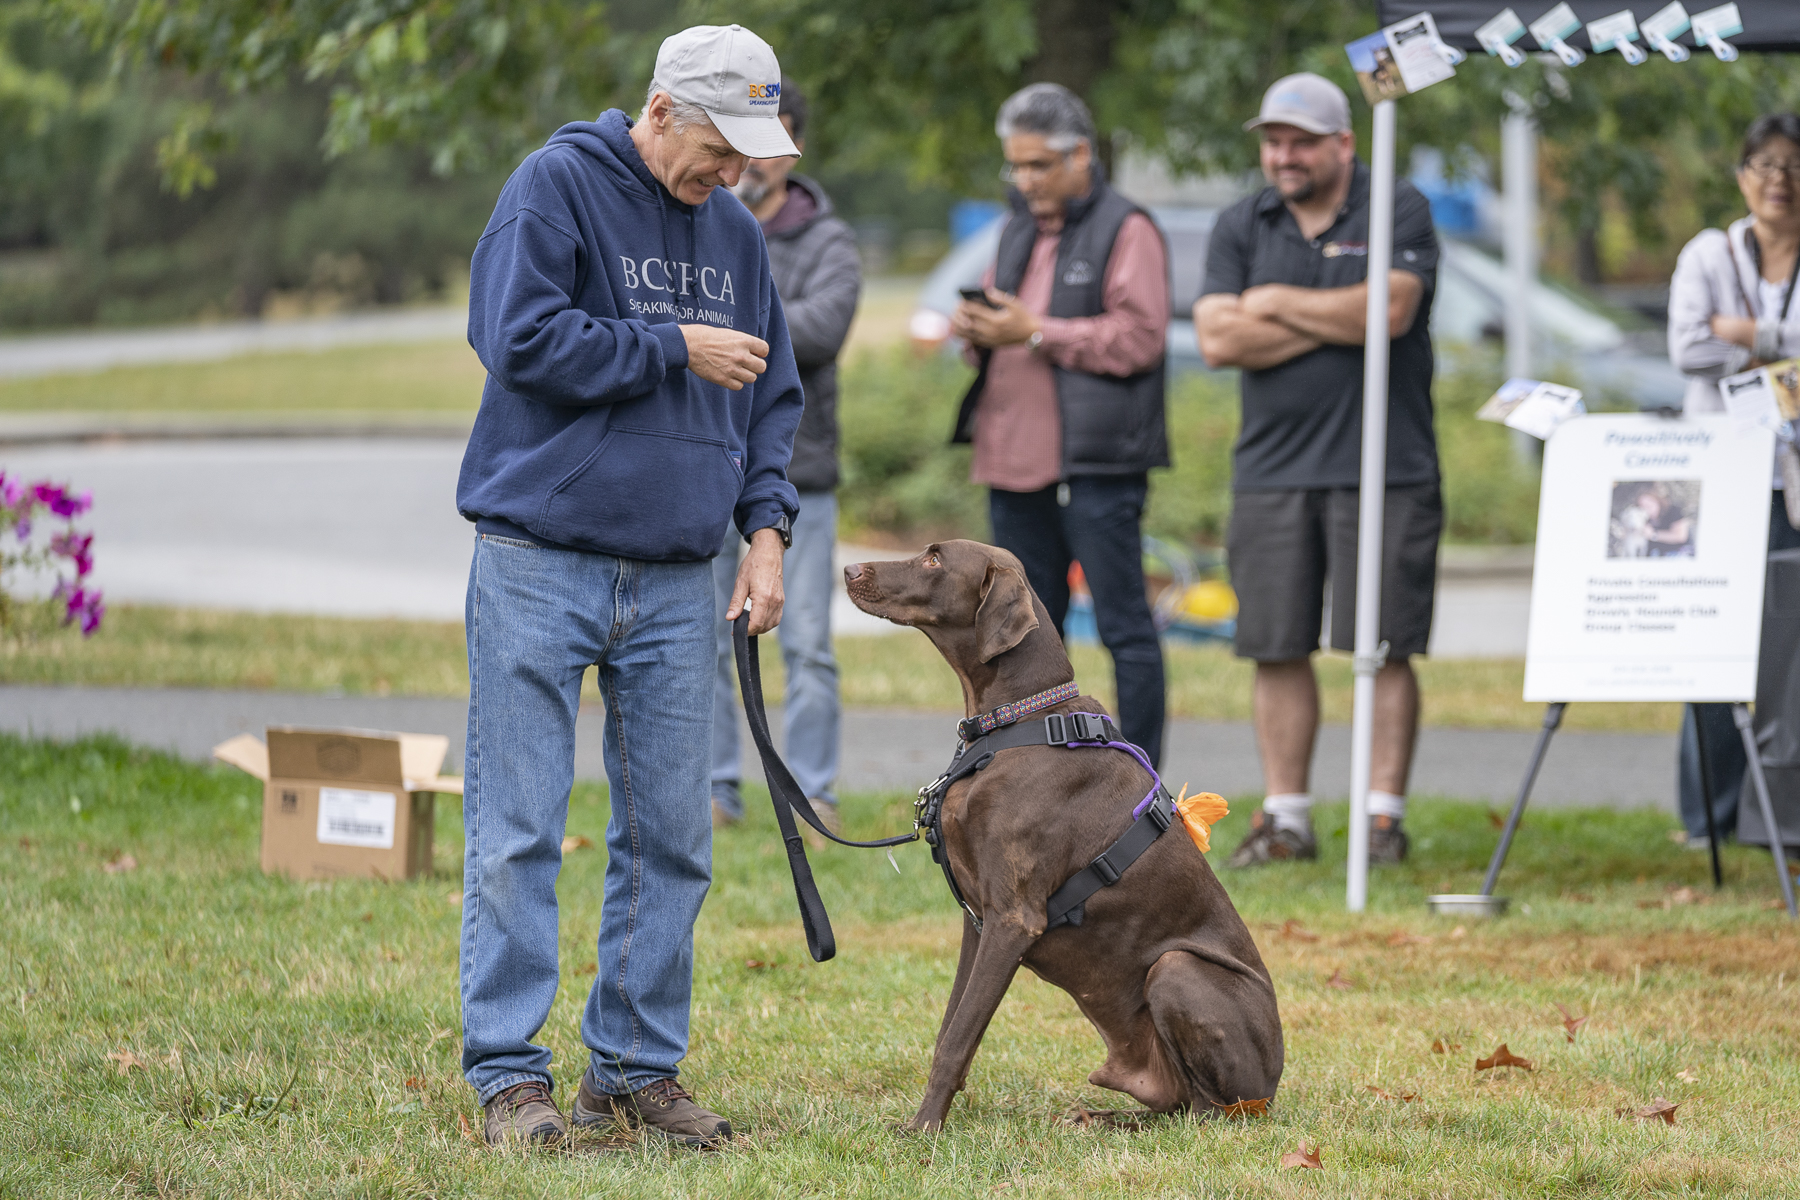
(1291, 811)
(1386, 804)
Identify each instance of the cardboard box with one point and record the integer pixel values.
(344, 802)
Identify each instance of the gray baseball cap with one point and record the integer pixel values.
(1305, 101)
(731, 74)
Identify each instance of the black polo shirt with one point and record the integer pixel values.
(1302, 425)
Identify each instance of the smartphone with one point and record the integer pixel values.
(976, 296)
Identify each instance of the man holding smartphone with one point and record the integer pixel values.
(1066, 415)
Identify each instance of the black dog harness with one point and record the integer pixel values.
(982, 737)
(1075, 731)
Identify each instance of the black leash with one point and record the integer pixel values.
(788, 799)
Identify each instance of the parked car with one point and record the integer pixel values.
(1576, 338)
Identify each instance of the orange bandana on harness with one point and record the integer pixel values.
(1200, 812)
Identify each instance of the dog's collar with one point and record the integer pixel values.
(973, 727)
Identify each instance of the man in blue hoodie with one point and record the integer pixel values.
(641, 394)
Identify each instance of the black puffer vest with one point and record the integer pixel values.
(1111, 424)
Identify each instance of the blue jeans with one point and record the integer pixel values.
(537, 619)
(811, 711)
(1101, 528)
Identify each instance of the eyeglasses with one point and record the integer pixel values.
(1767, 169)
(1013, 172)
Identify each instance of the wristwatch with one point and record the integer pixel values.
(784, 528)
(1035, 340)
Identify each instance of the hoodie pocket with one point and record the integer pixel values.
(646, 493)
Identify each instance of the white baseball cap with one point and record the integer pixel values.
(732, 74)
(1305, 101)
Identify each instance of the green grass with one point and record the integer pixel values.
(165, 647)
(438, 376)
(233, 989)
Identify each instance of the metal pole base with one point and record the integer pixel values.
(1741, 714)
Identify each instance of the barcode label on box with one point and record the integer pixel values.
(348, 817)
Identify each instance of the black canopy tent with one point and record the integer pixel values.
(1769, 25)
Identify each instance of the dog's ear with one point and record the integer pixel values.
(1005, 614)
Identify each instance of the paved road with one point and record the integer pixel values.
(368, 527)
(888, 750)
(70, 353)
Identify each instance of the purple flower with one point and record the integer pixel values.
(76, 546)
(23, 529)
(61, 502)
(11, 490)
(92, 612)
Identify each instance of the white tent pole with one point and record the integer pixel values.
(1372, 494)
(1518, 158)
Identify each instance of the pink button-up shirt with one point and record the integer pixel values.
(1018, 427)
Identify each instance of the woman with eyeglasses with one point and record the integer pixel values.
(1732, 307)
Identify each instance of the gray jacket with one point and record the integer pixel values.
(819, 278)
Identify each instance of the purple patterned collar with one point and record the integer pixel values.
(1007, 714)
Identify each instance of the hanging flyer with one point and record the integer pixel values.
(1652, 544)
(1405, 57)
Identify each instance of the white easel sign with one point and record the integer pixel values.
(1652, 543)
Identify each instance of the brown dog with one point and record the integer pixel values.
(1162, 963)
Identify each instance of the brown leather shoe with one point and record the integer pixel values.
(524, 1112)
(1387, 841)
(1267, 844)
(663, 1108)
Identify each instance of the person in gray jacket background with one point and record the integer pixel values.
(812, 255)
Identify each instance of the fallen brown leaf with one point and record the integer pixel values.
(576, 842)
(592, 968)
(1298, 932)
(468, 1132)
(118, 864)
(1496, 820)
(1441, 1047)
(26, 843)
(416, 1083)
(1687, 1076)
(1302, 1156)
(1503, 1057)
(1402, 938)
(1245, 1108)
(757, 964)
(1340, 980)
(1571, 1023)
(1658, 1108)
(368, 917)
(126, 1061)
(1383, 1094)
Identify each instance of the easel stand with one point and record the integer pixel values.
(1740, 713)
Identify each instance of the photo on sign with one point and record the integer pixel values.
(1373, 61)
(1784, 378)
(1654, 518)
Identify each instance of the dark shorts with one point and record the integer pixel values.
(1285, 546)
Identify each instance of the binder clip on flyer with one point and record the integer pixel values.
(1617, 32)
(1552, 28)
(1499, 34)
(1662, 27)
(1713, 26)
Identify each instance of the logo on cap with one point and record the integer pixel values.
(765, 92)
